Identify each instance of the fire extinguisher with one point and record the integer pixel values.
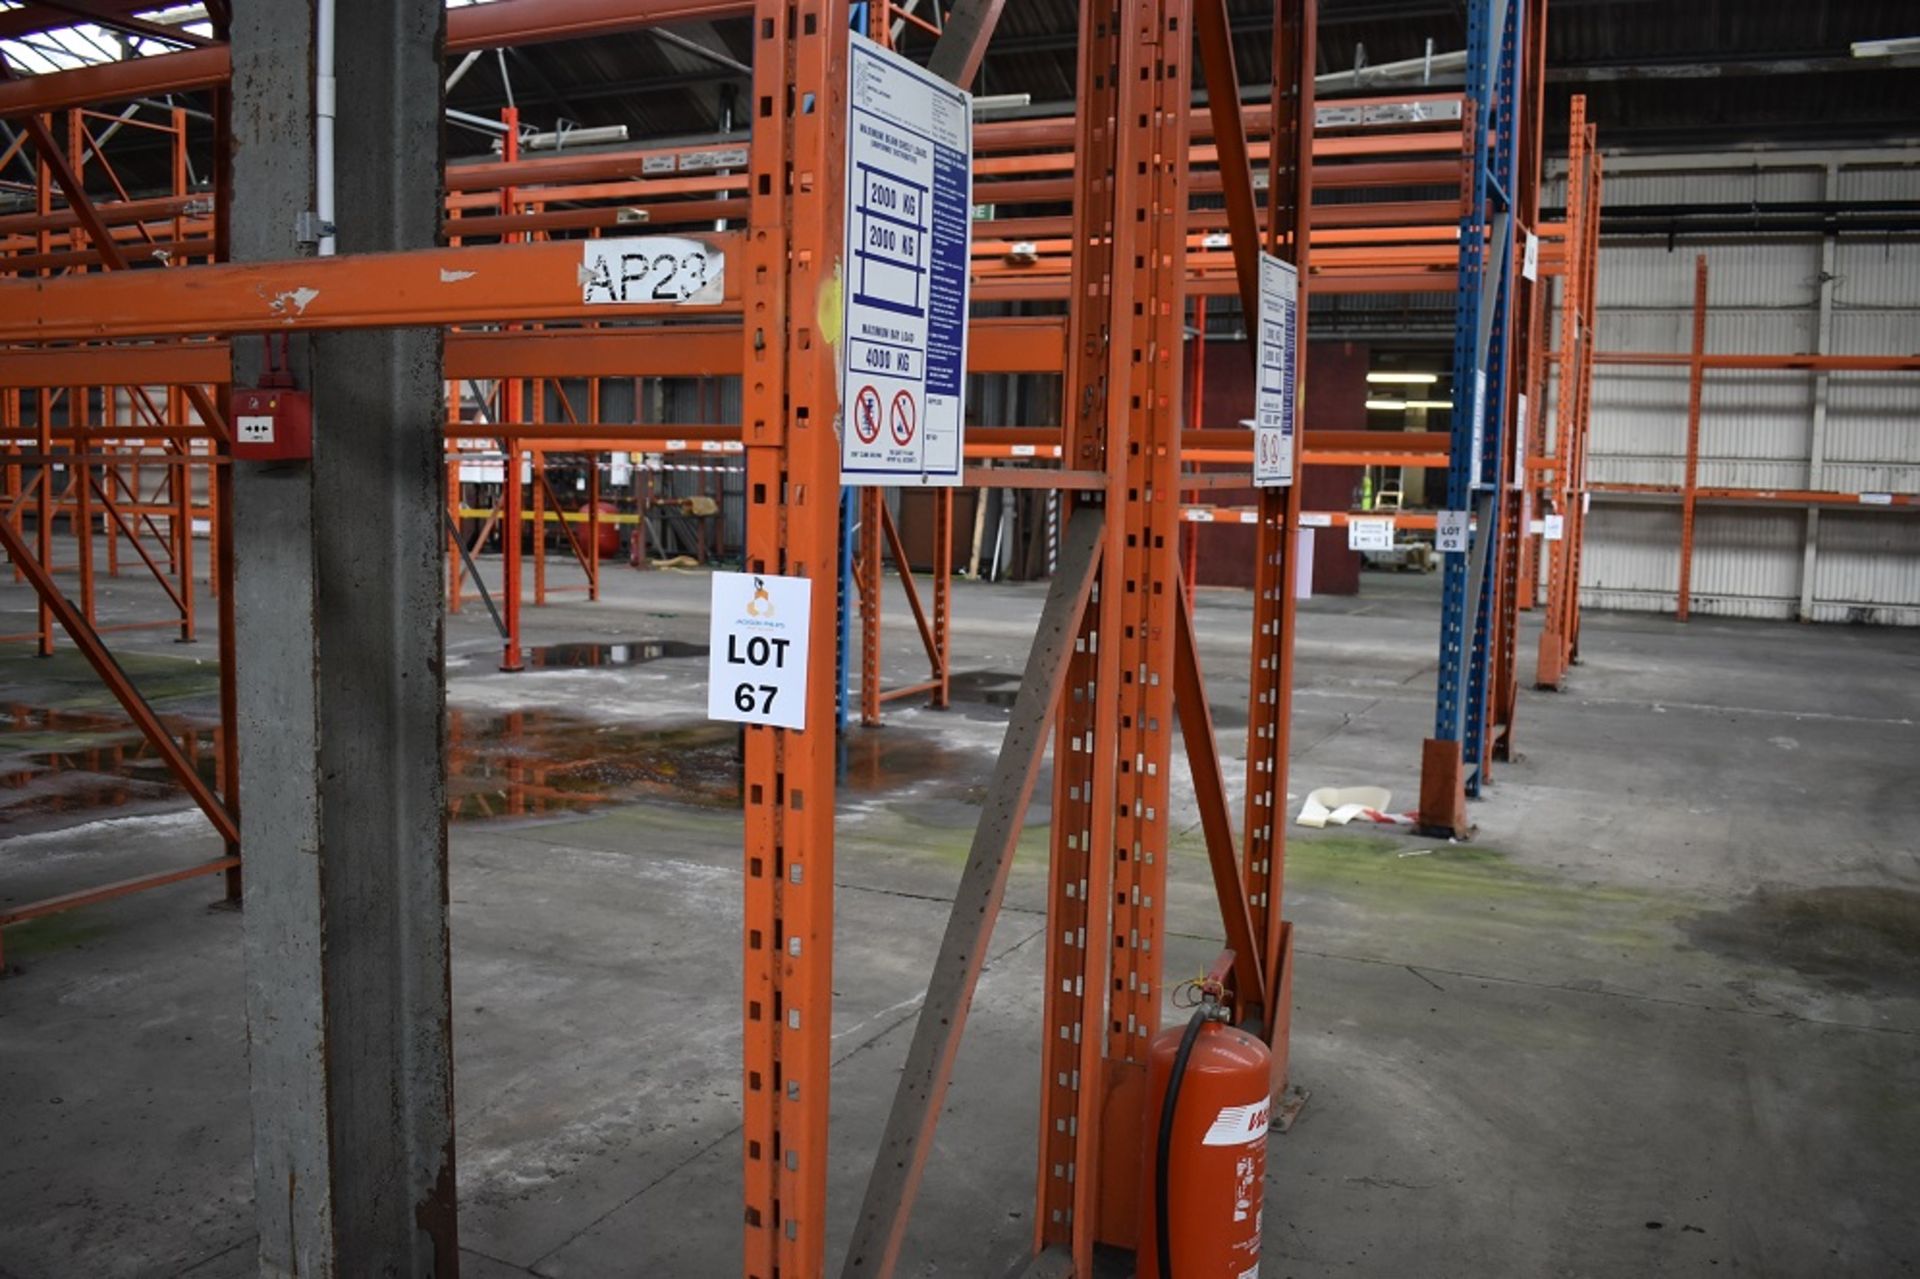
(1209, 1100)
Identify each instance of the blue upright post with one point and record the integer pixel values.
(1505, 170)
(1450, 766)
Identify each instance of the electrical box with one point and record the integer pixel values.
(272, 425)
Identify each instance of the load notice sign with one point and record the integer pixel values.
(903, 348)
(757, 660)
(1274, 398)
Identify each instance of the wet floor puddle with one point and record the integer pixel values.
(524, 763)
(55, 764)
(619, 653)
(997, 689)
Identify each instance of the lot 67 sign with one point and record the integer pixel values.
(757, 664)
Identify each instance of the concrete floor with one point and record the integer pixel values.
(1661, 1018)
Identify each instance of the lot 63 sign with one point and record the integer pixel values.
(757, 666)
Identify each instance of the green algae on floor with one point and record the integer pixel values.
(1465, 907)
(50, 933)
(65, 681)
(1410, 867)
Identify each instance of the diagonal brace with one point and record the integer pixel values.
(95, 650)
(1216, 815)
(1230, 141)
(902, 1158)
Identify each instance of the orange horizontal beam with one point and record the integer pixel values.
(197, 363)
(1308, 519)
(1005, 286)
(538, 281)
(1762, 363)
(507, 23)
(116, 213)
(1411, 461)
(1057, 131)
(1782, 497)
(1023, 344)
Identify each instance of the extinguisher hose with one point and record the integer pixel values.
(1162, 1246)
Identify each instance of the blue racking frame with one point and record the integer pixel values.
(1482, 337)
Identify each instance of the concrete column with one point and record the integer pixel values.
(341, 688)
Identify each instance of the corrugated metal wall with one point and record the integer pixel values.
(1758, 428)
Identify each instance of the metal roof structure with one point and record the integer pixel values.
(1712, 75)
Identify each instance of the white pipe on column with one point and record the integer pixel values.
(323, 107)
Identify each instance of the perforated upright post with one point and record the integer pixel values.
(1503, 691)
(1270, 697)
(1579, 497)
(789, 406)
(1114, 743)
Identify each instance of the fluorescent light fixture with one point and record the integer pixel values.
(1400, 406)
(989, 104)
(1894, 48)
(1403, 379)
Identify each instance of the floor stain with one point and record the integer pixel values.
(1851, 939)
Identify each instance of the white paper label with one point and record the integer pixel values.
(1866, 499)
(1479, 427)
(620, 469)
(1369, 533)
(1530, 258)
(1554, 526)
(757, 666)
(1315, 519)
(1586, 503)
(909, 235)
(1520, 425)
(1275, 397)
(1450, 531)
(650, 270)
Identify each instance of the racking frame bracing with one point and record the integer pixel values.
(1115, 659)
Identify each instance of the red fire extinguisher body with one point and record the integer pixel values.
(609, 531)
(1217, 1159)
